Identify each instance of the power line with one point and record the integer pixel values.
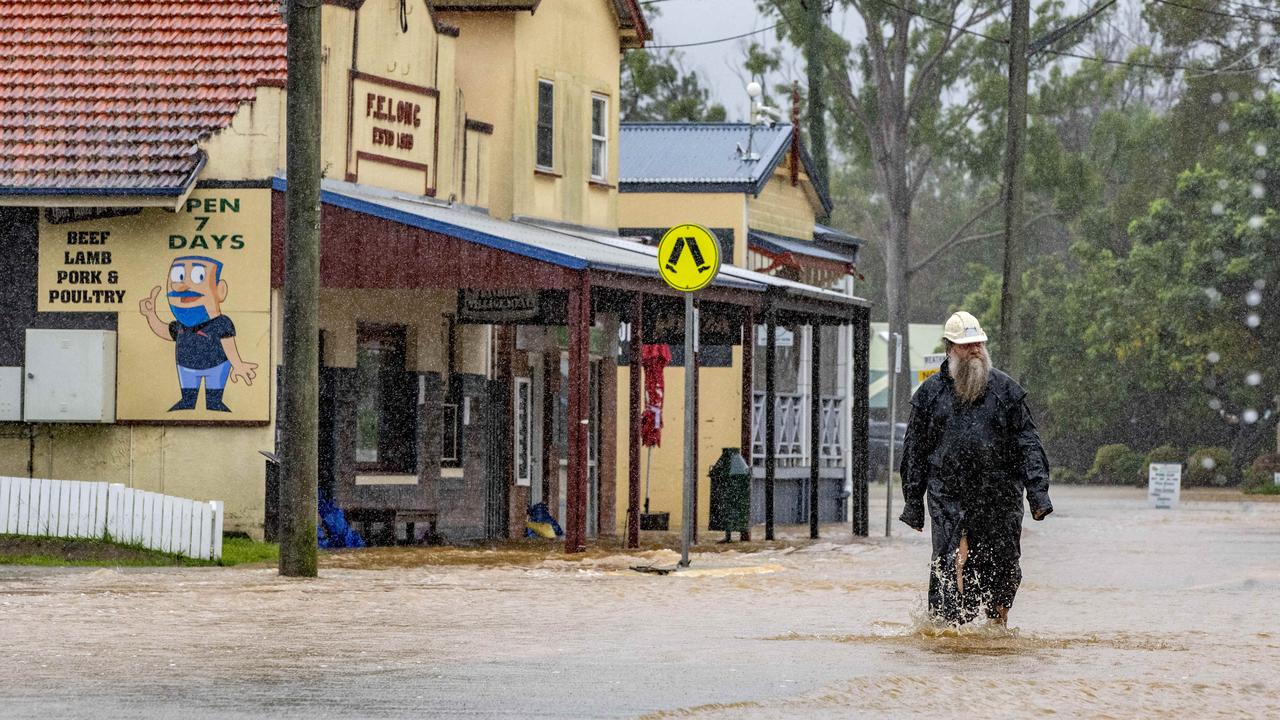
(717, 40)
(1219, 13)
(1154, 66)
(1046, 40)
(787, 20)
(944, 23)
(1251, 7)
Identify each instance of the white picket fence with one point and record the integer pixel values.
(76, 509)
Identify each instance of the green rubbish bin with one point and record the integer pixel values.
(730, 493)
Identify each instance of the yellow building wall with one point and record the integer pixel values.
(202, 463)
(419, 57)
(253, 145)
(670, 209)
(719, 427)
(501, 56)
(783, 209)
(485, 70)
(337, 28)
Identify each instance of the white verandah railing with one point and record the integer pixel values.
(791, 423)
(98, 510)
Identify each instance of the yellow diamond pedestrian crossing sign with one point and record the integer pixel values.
(688, 257)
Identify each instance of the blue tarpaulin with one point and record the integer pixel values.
(334, 531)
(541, 523)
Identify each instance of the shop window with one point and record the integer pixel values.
(546, 125)
(522, 433)
(451, 446)
(599, 137)
(386, 418)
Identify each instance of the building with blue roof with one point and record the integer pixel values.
(755, 188)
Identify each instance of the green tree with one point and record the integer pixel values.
(657, 87)
(894, 103)
(1174, 340)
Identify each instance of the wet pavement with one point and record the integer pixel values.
(1124, 612)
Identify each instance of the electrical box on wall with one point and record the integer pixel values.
(10, 394)
(70, 376)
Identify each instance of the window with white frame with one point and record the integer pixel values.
(522, 433)
(546, 125)
(599, 137)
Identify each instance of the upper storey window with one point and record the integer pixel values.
(599, 137)
(546, 125)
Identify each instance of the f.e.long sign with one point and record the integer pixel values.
(393, 133)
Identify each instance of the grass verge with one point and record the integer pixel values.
(60, 552)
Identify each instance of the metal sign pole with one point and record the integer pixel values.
(689, 272)
(893, 431)
(690, 436)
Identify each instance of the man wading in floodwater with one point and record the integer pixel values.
(972, 445)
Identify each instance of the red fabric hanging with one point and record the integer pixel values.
(654, 359)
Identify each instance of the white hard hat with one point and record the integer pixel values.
(963, 329)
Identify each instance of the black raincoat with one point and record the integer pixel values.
(975, 461)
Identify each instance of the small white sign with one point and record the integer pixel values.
(934, 360)
(1164, 484)
(1276, 478)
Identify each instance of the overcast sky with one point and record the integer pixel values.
(685, 21)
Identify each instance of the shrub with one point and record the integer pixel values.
(1113, 465)
(1065, 476)
(1162, 454)
(1211, 466)
(1260, 476)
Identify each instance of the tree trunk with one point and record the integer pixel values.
(1014, 232)
(817, 92)
(898, 280)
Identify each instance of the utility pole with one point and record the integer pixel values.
(1015, 148)
(817, 91)
(301, 295)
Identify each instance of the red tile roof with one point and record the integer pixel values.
(98, 96)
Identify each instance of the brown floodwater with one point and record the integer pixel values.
(1124, 612)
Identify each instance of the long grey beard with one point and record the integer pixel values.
(971, 377)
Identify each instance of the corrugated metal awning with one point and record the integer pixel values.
(791, 252)
(575, 250)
